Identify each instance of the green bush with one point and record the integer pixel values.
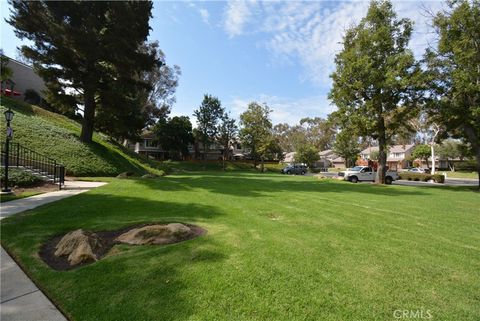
(467, 166)
(438, 178)
(19, 178)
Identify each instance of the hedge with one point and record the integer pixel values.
(20, 178)
(438, 178)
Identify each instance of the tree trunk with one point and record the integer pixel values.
(382, 153)
(432, 149)
(473, 139)
(88, 116)
(382, 161)
(262, 166)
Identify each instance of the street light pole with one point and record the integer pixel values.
(8, 116)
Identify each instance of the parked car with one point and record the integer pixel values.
(366, 173)
(417, 170)
(297, 169)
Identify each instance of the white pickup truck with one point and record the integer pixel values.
(365, 173)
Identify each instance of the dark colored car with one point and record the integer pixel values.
(295, 169)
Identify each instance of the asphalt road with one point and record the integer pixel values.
(448, 181)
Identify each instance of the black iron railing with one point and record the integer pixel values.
(36, 163)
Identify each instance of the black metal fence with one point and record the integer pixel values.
(27, 159)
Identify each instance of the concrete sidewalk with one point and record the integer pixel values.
(24, 204)
(21, 300)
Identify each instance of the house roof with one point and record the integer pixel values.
(391, 149)
(338, 160)
(289, 157)
(325, 152)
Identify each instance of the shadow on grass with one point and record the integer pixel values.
(263, 185)
(131, 283)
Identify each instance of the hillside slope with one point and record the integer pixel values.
(58, 137)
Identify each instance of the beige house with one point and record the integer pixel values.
(326, 159)
(147, 146)
(24, 78)
(398, 157)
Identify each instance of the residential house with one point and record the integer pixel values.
(326, 159)
(147, 146)
(23, 78)
(398, 156)
(338, 162)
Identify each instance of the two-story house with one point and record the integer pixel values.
(398, 156)
(147, 146)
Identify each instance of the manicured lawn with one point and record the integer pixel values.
(12, 197)
(458, 174)
(278, 248)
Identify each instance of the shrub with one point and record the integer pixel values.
(19, 178)
(32, 97)
(438, 178)
(468, 166)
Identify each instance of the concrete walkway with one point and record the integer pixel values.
(21, 300)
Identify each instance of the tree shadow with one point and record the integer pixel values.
(266, 185)
(131, 282)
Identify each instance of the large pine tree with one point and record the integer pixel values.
(86, 49)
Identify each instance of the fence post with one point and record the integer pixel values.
(18, 154)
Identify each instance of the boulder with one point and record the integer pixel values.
(155, 234)
(80, 246)
(125, 174)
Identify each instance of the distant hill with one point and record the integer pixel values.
(57, 136)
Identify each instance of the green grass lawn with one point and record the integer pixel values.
(457, 174)
(12, 197)
(278, 248)
(57, 137)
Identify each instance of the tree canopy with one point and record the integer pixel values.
(256, 130)
(307, 154)
(376, 81)
(346, 146)
(454, 72)
(208, 115)
(174, 135)
(87, 49)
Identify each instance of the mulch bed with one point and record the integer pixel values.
(47, 250)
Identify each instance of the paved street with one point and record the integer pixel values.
(448, 181)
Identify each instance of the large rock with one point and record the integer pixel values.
(155, 234)
(79, 246)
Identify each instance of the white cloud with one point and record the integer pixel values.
(237, 15)
(285, 110)
(204, 14)
(310, 33)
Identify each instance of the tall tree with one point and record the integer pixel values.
(319, 132)
(141, 107)
(174, 135)
(208, 116)
(374, 85)
(5, 71)
(422, 152)
(346, 146)
(227, 133)
(256, 130)
(307, 154)
(269, 148)
(449, 150)
(88, 47)
(454, 72)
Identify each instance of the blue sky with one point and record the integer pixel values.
(276, 52)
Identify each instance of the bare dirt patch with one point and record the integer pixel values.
(57, 252)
